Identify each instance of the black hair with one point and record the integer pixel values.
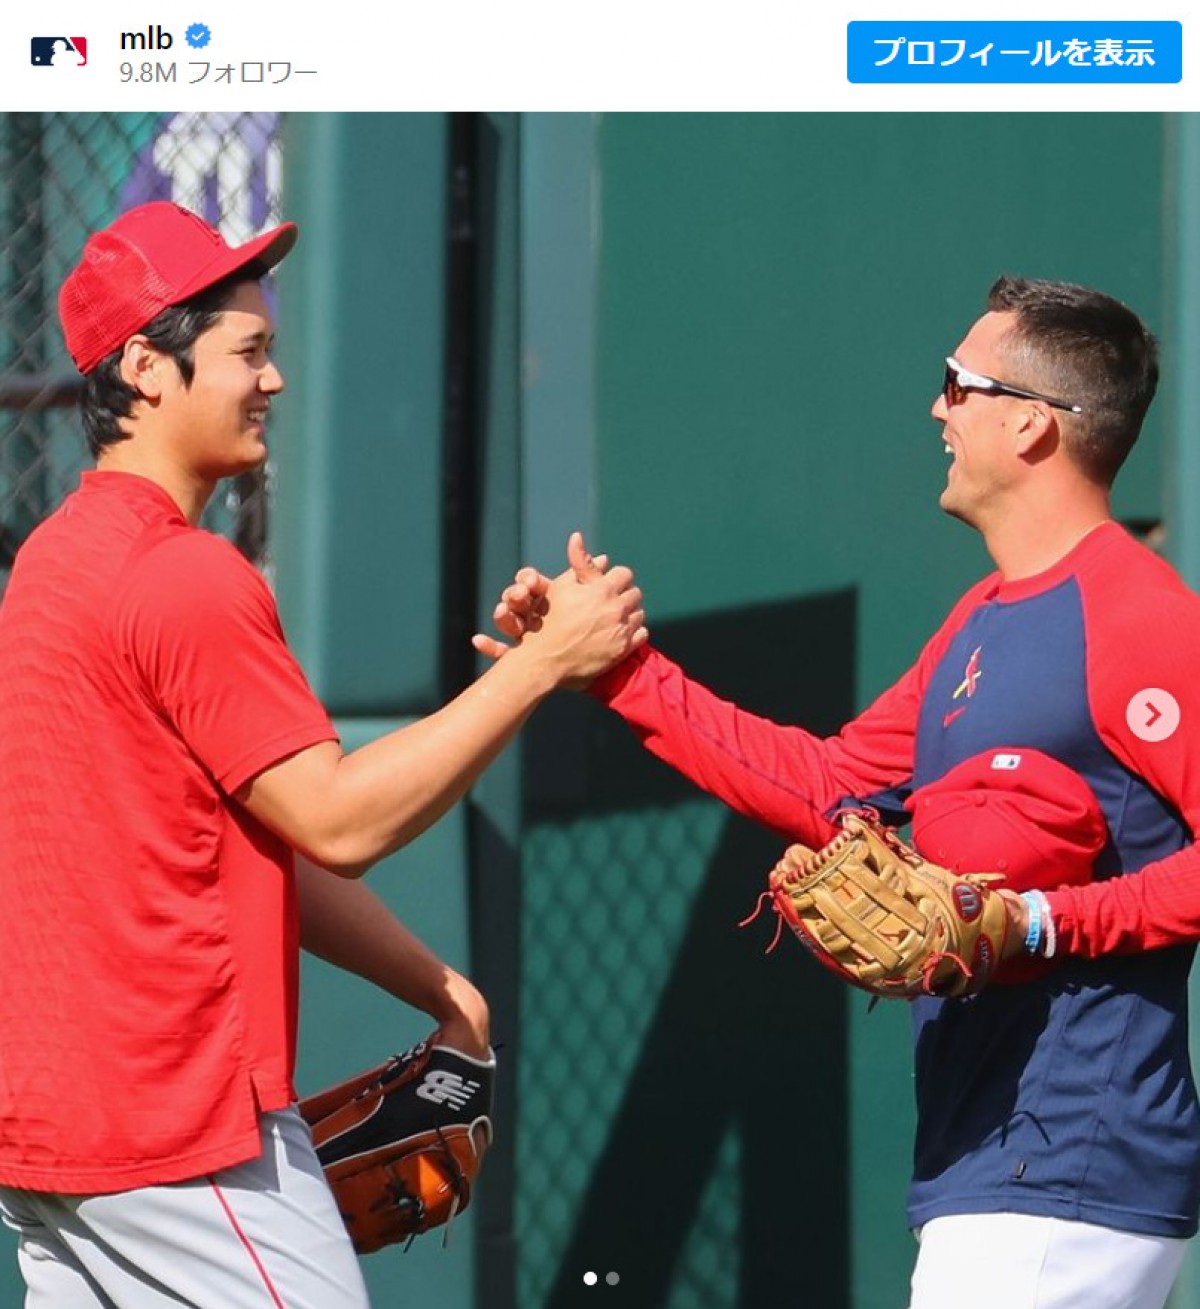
(107, 398)
(1087, 349)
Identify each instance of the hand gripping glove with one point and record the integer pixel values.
(874, 912)
(398, 1142)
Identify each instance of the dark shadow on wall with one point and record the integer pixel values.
(736, 1039)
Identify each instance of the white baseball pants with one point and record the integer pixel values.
(1019, 1261)
(262, 1235)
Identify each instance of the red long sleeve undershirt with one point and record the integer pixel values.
(790, 780)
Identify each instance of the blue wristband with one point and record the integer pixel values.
(1033, 932)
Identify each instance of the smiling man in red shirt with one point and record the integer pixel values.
(161, 758)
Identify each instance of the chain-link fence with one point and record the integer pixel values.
(63, 176)
(661, 1051)
(606, 907)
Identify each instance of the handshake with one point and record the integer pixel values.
(580, 623)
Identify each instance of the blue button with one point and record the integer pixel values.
(900, 51)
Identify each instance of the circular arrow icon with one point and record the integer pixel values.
(1152, 714)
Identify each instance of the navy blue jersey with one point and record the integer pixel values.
(1070, 1093)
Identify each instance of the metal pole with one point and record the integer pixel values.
(22, 439)
(1181, 465)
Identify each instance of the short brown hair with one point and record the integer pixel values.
(1092, 351)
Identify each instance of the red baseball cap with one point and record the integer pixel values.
(1014, 811)
(154, 256)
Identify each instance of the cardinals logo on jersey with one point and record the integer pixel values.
(971, 675)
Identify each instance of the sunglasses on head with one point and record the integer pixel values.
(957, 381)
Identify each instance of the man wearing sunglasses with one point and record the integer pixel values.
(1045, 731)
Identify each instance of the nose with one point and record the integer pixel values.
(270, 380)
(939, 409)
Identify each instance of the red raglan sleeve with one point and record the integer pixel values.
(1152, 648)
(202, 633)
(781, 776)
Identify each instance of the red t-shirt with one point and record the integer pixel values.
(149, 933)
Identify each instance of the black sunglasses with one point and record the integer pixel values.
(957, 381)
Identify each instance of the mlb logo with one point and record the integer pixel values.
(58, 51)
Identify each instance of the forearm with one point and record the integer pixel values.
(1156, 906)
(391, 790)
(345, 923)
(345, 812)
(782, 776)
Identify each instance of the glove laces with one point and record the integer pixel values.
(758, 908)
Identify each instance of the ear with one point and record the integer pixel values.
(143, 368)
(1036, 435)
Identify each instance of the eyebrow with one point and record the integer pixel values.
(257, 338)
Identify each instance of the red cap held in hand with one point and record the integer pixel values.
(1014, 811)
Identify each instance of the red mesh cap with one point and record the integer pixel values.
(1014, 811)
(154, 256)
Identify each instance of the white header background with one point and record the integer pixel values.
(531, 55)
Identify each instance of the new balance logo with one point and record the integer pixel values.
(447, 1088)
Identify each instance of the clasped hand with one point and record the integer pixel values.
(587, 619)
